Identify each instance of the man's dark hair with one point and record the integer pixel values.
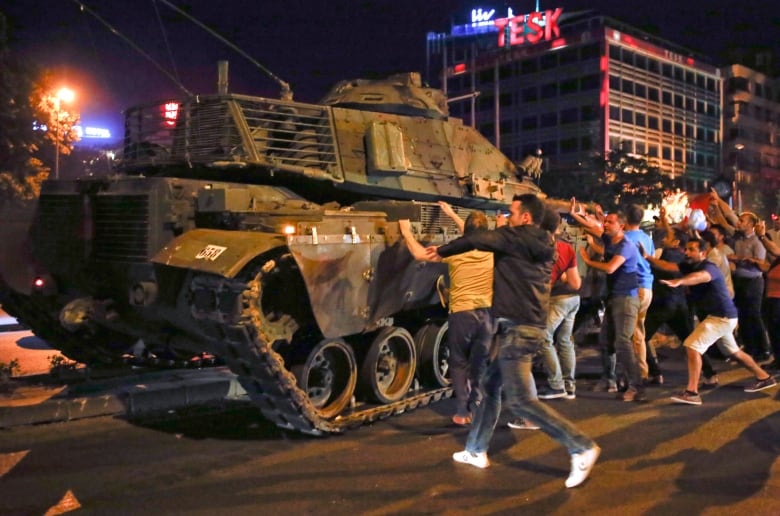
(699, 242)
(476, 221)
(709, 237)
(719, 228)
(634, 214)
(550, 220)
(682, 236)
(532, 205)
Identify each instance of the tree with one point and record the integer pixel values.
(26, 107)
(623, 178)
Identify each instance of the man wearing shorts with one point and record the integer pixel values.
(709, 294)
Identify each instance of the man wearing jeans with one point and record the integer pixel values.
(523, 256)
(558, 349)
(470, 330)
(621, 257)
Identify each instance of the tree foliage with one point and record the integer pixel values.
(623, 179)
(27, 105)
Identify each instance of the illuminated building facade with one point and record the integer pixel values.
(751, 142)
(575, 84)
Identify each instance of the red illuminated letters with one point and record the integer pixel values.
(530, 28)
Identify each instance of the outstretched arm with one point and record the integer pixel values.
(693, 278)
(416, 248)
(589, 224)
(447, 209)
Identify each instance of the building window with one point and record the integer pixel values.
(678, 128)
(614, 83)
(690, 104)
(700, 106)
(679, 75)
(486, 76)
(679, 102)
(666, 98)
(628, 86)
(586, 143)
(569, 86)
(529, 66)
(652, 94)
(487, 130)
(568, 145)
(614, 113)
(549, 148)
(548, 61)
(588, 113)
(641, 148)
(505, 99)
(666, 152)
(506, 127)
(627, 116)
(666, 125)
(548, 120)
(628, 57)
(690, 131)
(652, 151)
(640, 90)
(589, 82)
(486, 102)
(549, 90)
(528, 123)
(640, 61)
(568, 56)
(666, 70)
(640, 119)
(568, 116)
(529, 94)
(653, 66)
(505, 72)
(652, 122)
(678, 155)
(614, 52)
(590, 52)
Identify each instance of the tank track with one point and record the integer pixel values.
(249, 354)
(46, 325)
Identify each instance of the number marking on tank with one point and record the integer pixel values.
(210, 252)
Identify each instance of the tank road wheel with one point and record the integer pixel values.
(328, 376)
(388, 368)
(434, 355)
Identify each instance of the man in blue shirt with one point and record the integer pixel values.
(709, 294)
(621, 258)
(634, 216)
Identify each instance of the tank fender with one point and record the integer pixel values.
(215, 251)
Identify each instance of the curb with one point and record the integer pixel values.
(139, 395)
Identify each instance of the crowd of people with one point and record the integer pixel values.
(515, 293)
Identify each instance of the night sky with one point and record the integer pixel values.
(311, 44)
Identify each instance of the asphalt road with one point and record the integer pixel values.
(658, 458)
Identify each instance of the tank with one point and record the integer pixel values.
(264, 232)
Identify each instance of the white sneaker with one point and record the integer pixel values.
(522, 424)
(581, 464)
(479, 460)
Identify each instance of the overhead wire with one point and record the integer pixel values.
(165, 39)
(135, 47)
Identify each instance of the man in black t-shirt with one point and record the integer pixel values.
(709, 294)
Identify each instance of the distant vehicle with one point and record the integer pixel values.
(264, 232)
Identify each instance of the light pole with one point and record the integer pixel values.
(63, 95)
(737, 178)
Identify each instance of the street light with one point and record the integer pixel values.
(63, 95)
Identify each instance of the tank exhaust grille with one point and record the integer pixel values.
(122, 228)
(58, 231)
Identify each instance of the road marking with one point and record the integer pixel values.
(9, 460)
(66, 504)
